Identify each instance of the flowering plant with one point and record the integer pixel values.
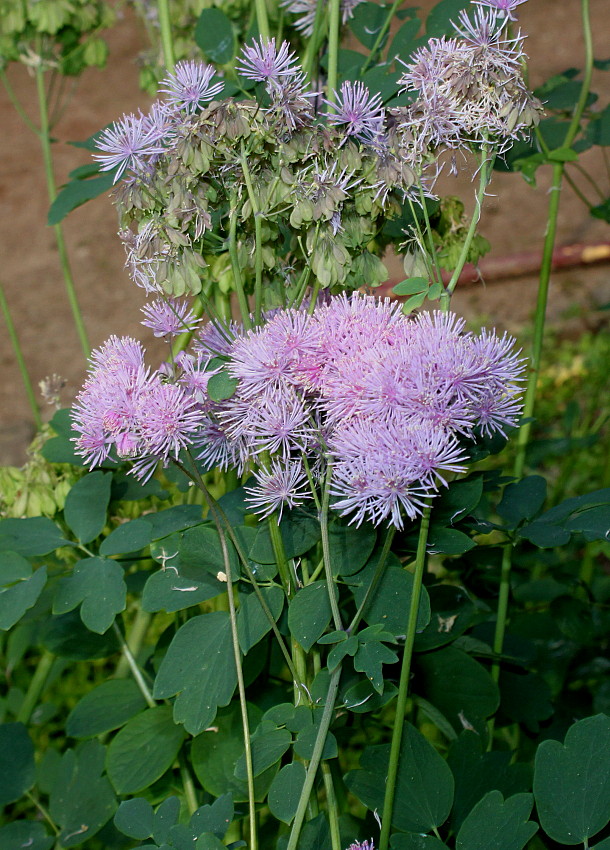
(284, 529)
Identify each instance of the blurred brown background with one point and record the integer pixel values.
(514, 220)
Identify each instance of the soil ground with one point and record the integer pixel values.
(514, 220)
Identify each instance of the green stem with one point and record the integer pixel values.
(334, 29)
(190, 793)
(133, 666)
(134, 642)
(45, 141)
(379, 570)
(244, 307)
(540, 318)
(330, 579)
(219, 516)
(310, 60)
(43, 811)
(261, 18)
(538, 338)
(380, 36)
(403, 688)
(241, 688)
(580, 195)
(167, 42)
(280, 556)
(316, 756)
(332, 808)
(37, 685)
(18, 352)
(258, 238)
(17, 104)
(487, 161)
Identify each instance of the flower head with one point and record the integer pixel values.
(128, 143)
(263, 61)
(169, 317)
(505, 7)
(359, 113)
(189, 86)
(284, 483)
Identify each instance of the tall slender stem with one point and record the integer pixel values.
(135, 670)
(37, 685)
(330, 579)
(403, 687)
(134, 642)
(262, 19)
(167, 42)
(18, 352)
(316, 756)
(244, 308)
(379, 570)
(334, 29)
(45, 142)
(538, 339)
(372, 57)
(258, 238)
(487, 161)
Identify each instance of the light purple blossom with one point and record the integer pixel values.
(169, 317)
(263, 61)
(128, 143)
(505, 7)
(284, 483)
(359, 113)
(291, 100)
(306, 9)
(190, 85)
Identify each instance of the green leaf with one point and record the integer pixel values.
(545, 535)
(201, 556)
(411, 286)
(82, 800)
(30, 537)
(424, 784)
(105, 708)
(252, 622)
(477, 772)
(495, 824)
(572, 782)
(207, 841)
(439, 20)
(448, 541)
(135, 818)
(199, 667)
(66, 636)
(415, 841)
(25, 834)
(390, 603)
(370, 658)
(17, 768)
(366, 23)
(215, 818)
(143, 750)
(221, 386)
(20, 597)
(525, 698)
(562, 155)
(77, 192)
(350, 547)
(165, 818)
(128, 537)
(214, 35)
(413, 303)
(299, 531)
(13, 567)
(598, 129)
(215, 753)
(405, 40)
(86, 505)
(267, 747)
(362, 698)
(573, 617)
(452, 613)
(165, 590)
(458, 500)
(459, 687)
(98, 586)
(522, 500)
(309, 613)
(285, 791)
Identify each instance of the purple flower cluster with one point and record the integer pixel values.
(358, 395)
(135, 142)
(126, 408)
(469, 88)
